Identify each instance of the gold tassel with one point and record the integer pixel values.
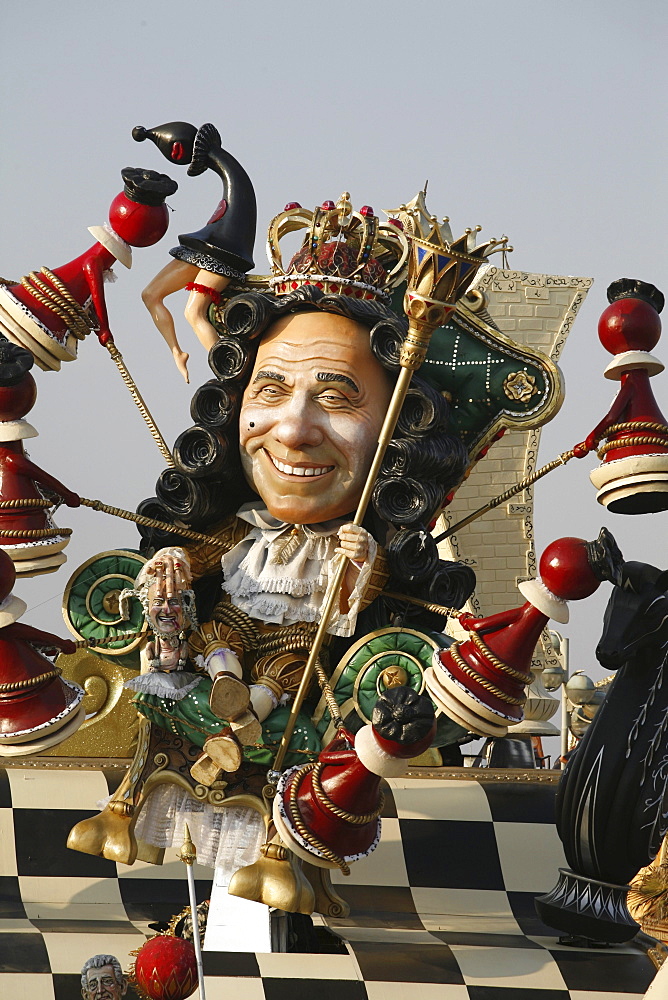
(284, 547)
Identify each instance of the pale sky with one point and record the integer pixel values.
(545, 122)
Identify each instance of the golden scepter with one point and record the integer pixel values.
(439, 273)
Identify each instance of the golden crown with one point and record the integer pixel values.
(353, 253)
(343, 251)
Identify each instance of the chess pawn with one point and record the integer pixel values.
(633, 475)
(480, 682)
(28, 533)
(37, 707)
(48, 312)
(327, 813)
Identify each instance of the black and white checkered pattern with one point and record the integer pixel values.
(443, 906)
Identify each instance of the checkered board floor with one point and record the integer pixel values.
(443, 909)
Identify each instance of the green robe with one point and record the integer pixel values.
(192, 719)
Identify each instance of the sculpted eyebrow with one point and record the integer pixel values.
(336, 377)
(277, 377)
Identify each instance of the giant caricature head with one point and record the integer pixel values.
(311, 416)
(293, 416)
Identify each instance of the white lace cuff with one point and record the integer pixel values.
(344, 624)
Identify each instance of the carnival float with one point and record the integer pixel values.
(243, 772)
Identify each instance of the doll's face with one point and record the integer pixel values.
(311, 416)
(165, 614)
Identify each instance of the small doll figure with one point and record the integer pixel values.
(27, 531)
(222, 251)
(169, 609)
(37, 707)
(49, 312)
(203, 699)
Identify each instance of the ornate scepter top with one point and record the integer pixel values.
(440, 270)
(188, 852)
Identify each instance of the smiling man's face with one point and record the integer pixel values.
(165, 614)
(311, 417)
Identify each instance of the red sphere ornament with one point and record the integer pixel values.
(564, 569)
(165, 968)
(629, 325)
(137, 224)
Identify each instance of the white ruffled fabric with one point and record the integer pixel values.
(227, 837)
(174, 684)
(281, 579)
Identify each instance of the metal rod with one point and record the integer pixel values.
(187, 854)
(117, 358)
(523, 484)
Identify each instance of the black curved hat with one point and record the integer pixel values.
(225, 244)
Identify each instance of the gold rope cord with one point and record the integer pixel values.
(523, 484)
(356, 819)
(303, 831)
(117, 358)
(30, 502)
(59, 301)
(479, 679)
(150, 522)
(659, 439)
(31, 681)
(499, 664)
(34, 532)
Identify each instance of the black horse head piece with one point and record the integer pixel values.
(636, 617)
(605, 557)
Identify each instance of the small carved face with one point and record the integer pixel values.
(311, 417)
(165, 614)
(103, 985)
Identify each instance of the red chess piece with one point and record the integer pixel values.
(327, 813)
(28, 533)
(479, 682)
(37, 707)
(633, 475)
(48, 312)
(165, 968)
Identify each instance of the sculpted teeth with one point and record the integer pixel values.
(295, 470)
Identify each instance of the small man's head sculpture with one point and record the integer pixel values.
(102, 979)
